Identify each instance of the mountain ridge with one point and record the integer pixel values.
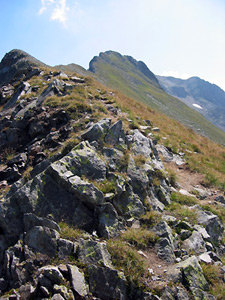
(210, 97)
(120, 72)
(88, 209)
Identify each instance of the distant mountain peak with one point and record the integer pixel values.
(123, 63)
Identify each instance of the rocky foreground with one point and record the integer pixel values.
(79, 214)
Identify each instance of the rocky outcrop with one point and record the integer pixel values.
(90, 199)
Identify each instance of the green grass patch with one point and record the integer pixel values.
(140, 238)
(182, 199)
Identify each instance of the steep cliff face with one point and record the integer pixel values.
(87, 209)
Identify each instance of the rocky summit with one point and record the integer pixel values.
(87, 209)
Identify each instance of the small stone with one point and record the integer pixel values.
(151, 271)
(205, 258)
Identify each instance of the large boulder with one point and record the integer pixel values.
(212, 224)
(97, 131)
(107, 283)
(82, 160)
(141, 144)
(113, 134)
(78, 282)
(195, 243)
(43, 240)
(92, 252)
(108, 221)
(190, 273)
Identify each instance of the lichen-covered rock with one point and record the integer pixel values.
(30, 220)
(43, 240)
(92, 252)
(78, 282)
(189, 272)
(141, 144)
(212, 224)
(82, 160)
(175, 292)
(65, 248)
(113, 134)
(107, 283)
(139, 178)
(97, 131)
(165, 250)
(195, 243)
(52, 273)
(108, 221)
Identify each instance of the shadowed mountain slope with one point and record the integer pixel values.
(204, 97)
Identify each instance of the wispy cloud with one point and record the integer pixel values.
(176, 74)
(58, 8)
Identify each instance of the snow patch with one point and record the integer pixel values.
(197, 105)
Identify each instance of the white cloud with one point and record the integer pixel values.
(176, 74)
(58, 8)
(60, 12)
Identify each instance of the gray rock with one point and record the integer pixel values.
(128, 204)
(205, 257)
(212, 224)
(113, 134)
(107, 283)
(162, 229)
(195, 243)
(175, 292)
(155, 203)
(92, 252)
(220, 199)
(82, 160)
(44, 291)
(185, 234)
(62, 290)
(65, 248)
(139, 178)
(30, 220)
(165, 250)
(190, 272)
(97, 131)
(3, 285)
(27, 292)
(52, 273)
(203, 232)
(86, 192)
(43, 240)
(78, 282)
(108, 221)
(57, 297)
(141, 144)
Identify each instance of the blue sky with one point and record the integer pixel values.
(181, 38)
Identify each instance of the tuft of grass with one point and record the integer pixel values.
(182, 199)
(126, 259)
(182, 212)
(150, 218)
(139, 160)
(216, 210)
(214, 276)
(8, 154)
(106, 186)
(140, 238)
(69, 232)
(124, 161)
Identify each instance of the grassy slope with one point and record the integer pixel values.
(122, 75)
